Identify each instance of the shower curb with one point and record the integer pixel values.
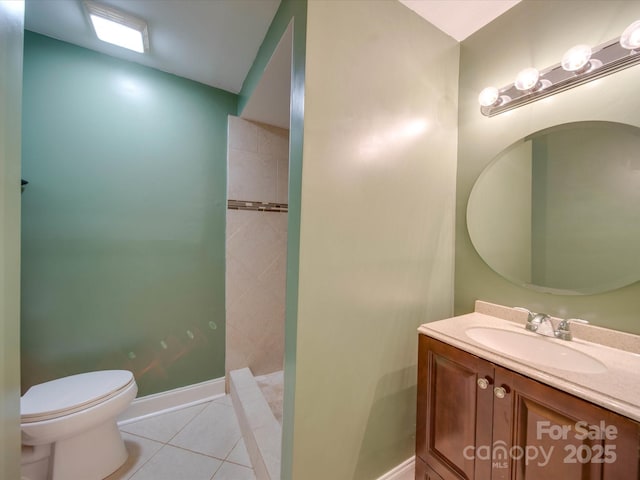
(258, 424)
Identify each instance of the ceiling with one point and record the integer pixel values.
(216, 41)
(210, 41)
(459, 18)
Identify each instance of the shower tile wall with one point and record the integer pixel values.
(256, 247)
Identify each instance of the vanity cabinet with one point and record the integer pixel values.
(477, 420)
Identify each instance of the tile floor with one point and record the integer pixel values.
(202, 442)
(272, 386)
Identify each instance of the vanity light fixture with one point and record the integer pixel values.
(489, 96)
(630, 38)
(528, 80)
(580, 64)
(118, 28)
(576, 59)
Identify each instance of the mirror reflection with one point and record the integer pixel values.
(558, 211)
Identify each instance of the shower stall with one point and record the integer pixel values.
(256, 251)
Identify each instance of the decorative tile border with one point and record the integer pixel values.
(257, 206)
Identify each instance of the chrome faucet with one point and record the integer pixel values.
(563, 331)
(542, 324)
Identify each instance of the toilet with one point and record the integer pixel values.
(69, 429)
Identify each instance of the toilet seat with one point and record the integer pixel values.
(72, 394)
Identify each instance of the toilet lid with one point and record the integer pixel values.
(67, 395)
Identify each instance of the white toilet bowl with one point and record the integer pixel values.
(69, 429)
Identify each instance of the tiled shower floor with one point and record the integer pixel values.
(201, 442)
(272, 387)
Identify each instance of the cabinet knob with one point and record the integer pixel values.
(500, 392)
(483, 383)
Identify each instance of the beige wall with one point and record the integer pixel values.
(11, 25)
(256, 248)
(376, 239)
(537, 33)
(258, 161)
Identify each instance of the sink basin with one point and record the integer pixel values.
(536, 350)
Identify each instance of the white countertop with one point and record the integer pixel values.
(618, 389)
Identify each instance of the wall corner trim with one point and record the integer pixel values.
(165, 402)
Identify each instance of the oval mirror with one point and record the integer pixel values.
(559, 211)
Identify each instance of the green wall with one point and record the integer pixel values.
(586, 196)
(501, 202)
(123, 219)
(11, 25)
(537, 33)
(376, 233)
(287, 11)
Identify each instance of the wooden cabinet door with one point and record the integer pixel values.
(556, 436)
(514, 428)
(454, 413)
(502, 428)
(424, 472)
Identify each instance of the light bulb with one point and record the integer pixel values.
(576, 58)
(489, 96)
(630, 38)
(527, 79)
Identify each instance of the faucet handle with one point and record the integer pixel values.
(563, 332)
(564, 324)
(535, 321)
(529, 313)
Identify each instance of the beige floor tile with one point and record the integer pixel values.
(140, 451)
(239, 454)
(215, 431)
(172, 463)
(231, 471)
(272, 387)
(163, 428)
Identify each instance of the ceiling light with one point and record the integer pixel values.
(118, 28)
(630, 38)
(576, 59)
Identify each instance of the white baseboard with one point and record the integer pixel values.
(164, 402)
(404, 471)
